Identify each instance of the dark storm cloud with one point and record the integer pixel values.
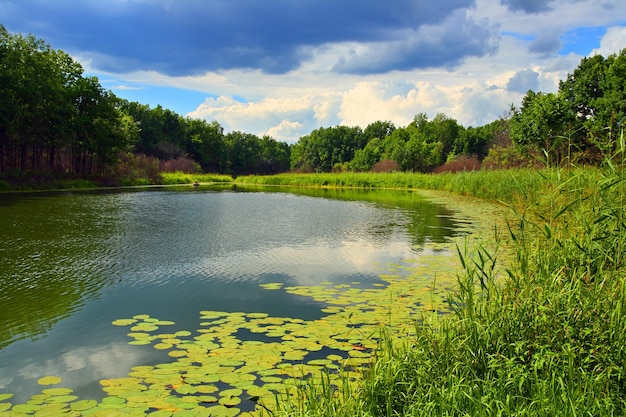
(193, 36)
(445, 45)
(523, 81)
(546, 44)
(528, 6)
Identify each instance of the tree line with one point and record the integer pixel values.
(54, 118)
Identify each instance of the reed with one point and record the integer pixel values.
(174, 178)
(546, 340)
(506, 186)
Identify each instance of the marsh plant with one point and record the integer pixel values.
(545, 339)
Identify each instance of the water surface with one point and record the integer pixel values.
(71, 263)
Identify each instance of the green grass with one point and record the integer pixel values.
(173, 178)
(547, 339)
(507, 186)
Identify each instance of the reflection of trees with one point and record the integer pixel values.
(428, 221)
(47, 269)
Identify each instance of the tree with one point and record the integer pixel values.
(543, 124)
(206, 145)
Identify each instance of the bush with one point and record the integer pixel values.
(459, 164)
(134, 169)
(181, 164)
(386, 165)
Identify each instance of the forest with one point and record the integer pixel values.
(54, 120)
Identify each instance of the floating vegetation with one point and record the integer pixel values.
(238, 363)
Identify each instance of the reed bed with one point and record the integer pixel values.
(548, 339)
(506, 186)
(174, 178)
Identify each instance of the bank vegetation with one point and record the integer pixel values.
(543, 337)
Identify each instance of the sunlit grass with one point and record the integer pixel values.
(546, 341)
(507, 185)
(173, 178)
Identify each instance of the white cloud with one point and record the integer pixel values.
(613, 42)
(291, 105)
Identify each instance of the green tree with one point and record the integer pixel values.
(543, 124)
(206, 145)
(364, 159)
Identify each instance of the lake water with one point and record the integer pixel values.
(71, 263)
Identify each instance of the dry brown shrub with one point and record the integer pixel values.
(386, 165)
(181, 164)
(460, 163)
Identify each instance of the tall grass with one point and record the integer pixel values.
(548, 339)
(506, 186)
(178, 177)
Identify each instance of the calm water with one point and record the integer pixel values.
(70, 264)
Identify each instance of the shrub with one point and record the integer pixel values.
(181, 164)
(386, 165)
(459, 164)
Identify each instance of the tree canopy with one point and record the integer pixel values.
(54, 118)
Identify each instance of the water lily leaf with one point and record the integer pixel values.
(144, 328)
(51, 392)
(161, 413)
(140, 342)
(207, 399)
(207, 389)
(124, 322)
(186, 413)
(271, 379)
(49, 380)
(62, 399)
(234, 392)
(186, 389)
(4, 406)
(319, 362)
(230, 401)
(256, 392)
(5, 396)
(113, 400)
(163, 346)
(83, 405)
(141, 317)
(272, 286)
(223, 411)
(139, 335)
(164, 323)
(183, 333)
(25, 408)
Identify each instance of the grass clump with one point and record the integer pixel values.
(547, 338)
(174, 178)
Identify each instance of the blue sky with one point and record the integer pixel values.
(285, 67)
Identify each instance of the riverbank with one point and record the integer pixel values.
(547, 340)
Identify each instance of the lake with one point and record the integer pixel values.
(74, 262)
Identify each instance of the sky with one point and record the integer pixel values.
(286, 67)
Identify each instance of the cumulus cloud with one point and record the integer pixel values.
(613, 42)
(523, 81)
(283, 118)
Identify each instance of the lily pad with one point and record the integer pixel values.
(25, 408)
(230, 401)
(49, 380)
(83, 405)
(6, 396)
(124, 322)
